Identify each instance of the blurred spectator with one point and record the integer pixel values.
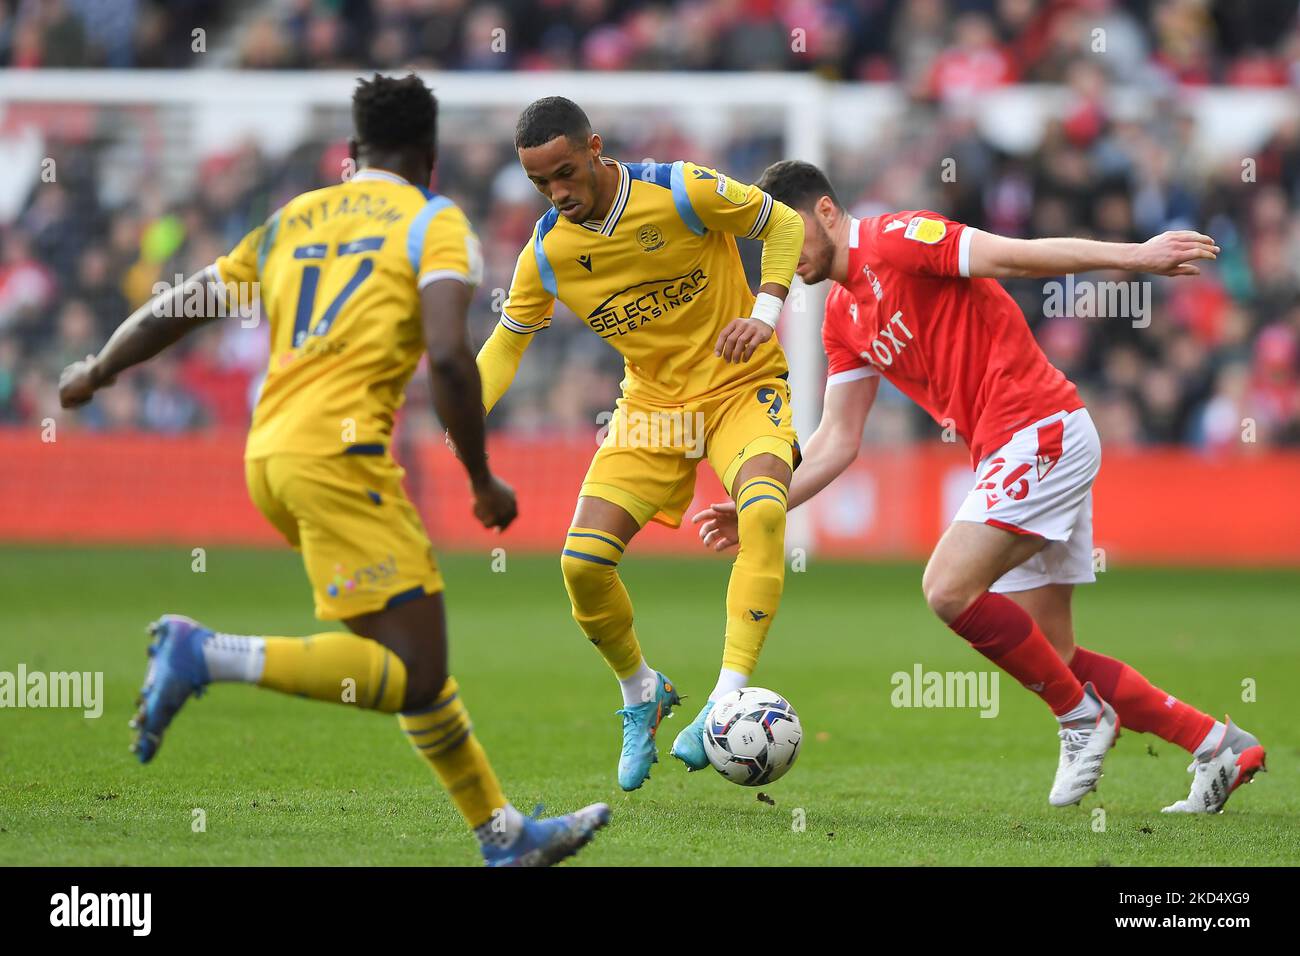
(97, 33)
(951, 47)
(77, 337)
(975, 62)
(168, 404)
(27, 286)
(97, 286)
(10, 359)
(1224, 417)
(216, 380)
(1275, 384)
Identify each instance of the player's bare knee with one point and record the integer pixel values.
(424, 682)
(1061, 637)
(946, 596)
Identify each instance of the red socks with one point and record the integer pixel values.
(1003, 632)
(1000, 629)
(1141, 706)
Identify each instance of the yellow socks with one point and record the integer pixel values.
(602, 608)
(758, 575)
(443, 735)
(345, 668)
(600, 602)
(338, 667)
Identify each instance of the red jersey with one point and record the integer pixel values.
(958, 347)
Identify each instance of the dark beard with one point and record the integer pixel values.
(825, 259)
(822, 265)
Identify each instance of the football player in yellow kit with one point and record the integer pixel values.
(357, 280)
(645, 254)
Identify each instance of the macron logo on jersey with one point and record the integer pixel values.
(1045, 464)
(896, 224)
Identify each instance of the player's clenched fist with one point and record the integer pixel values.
(737, 342)
(79, 381)
(1174, 253)
(494, 503)
(718, 526)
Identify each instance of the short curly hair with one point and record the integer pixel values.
(549, 117)
(389, 113)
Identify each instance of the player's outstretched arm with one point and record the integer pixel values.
(831, 449)
(157, 324)
(457, 395)
(1168, 254)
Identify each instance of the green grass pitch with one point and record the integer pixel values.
(288, 781)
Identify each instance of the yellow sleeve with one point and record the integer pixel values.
(530, 304)
(243, 263)
(727, 205)
(498, 361)
(782, 242)
(449, 249)
(527, 310)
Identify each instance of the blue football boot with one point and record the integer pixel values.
(548, 840)
(176, 670)
(640, 724)
(689, 745)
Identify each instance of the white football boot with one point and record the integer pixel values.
(1084, 744)
(1236, 760)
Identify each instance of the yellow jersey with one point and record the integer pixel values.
(339, 271)
(658, 279)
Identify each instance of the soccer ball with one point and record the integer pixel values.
(752, 736)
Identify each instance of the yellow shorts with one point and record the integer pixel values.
(362, 541)
(646, 464)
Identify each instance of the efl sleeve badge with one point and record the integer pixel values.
(732, 191)
(925, 230)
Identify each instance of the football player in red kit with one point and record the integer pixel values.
(915, 299)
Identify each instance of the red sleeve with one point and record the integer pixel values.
(841, 359)
(923, 243)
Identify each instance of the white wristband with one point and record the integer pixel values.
(767, 308)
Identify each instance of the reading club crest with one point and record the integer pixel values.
(650, 237)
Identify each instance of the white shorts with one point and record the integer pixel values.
(1040, 482)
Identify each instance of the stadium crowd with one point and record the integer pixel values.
(1219, 359)
(927, 44)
